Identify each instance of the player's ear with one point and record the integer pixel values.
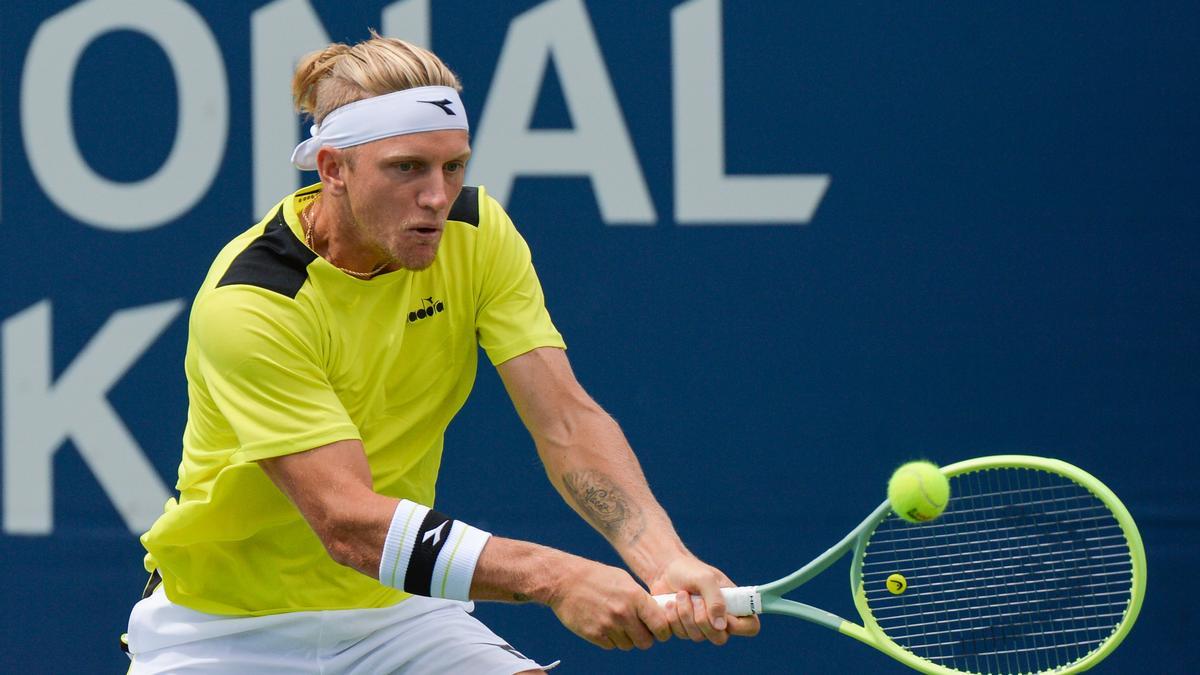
(332, 165)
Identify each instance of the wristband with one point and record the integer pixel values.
(428, 553)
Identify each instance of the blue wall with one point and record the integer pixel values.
(1004, 259)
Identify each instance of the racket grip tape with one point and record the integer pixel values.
(739, 601)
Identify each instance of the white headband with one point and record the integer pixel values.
(409, 111)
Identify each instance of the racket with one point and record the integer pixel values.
(1034, 567)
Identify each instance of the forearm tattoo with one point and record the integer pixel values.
(605, 506)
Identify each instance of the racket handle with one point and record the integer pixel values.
(739, 601)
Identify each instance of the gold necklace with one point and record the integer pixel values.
(308, 239)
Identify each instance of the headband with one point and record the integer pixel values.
(409, 111)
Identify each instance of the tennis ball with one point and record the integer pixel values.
(918, 492)
(897, 584)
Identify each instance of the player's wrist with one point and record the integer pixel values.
(652, 566)
(427, 553)
(562, 572)
(511, 570)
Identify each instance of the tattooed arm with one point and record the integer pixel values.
(591, 464)
(589, 461)
(604, 505)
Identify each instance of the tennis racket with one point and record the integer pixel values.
(1034, 567)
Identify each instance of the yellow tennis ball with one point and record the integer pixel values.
(897, 584)
(918, 492)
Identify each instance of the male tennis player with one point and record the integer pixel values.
(328, 349)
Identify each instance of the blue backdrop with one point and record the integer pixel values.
(919, 229)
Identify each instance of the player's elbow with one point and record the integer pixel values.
(342, 542)
(342, 551)
(343, 535)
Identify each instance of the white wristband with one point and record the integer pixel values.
(428, 553)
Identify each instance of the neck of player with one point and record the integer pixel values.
(335, 237)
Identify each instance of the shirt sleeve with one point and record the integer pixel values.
(511, 316)
(259, 358)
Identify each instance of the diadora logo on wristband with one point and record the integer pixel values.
(428, 308)
(435, 534)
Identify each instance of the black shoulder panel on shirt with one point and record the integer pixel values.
(466, 207)
(276, 261)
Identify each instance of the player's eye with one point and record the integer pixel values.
(454, 167)
(405, 166)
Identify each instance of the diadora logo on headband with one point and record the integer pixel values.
(444, 104)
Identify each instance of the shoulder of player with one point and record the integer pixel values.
(267, 256)
(236, 305)
(465, 208)
(232, 322)
(256, 279)
(477, 208)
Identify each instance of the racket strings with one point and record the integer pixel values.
(1025, 572)
(998, 601)
(1018, 543)
(1015, 554)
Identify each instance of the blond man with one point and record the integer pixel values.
(329, 347)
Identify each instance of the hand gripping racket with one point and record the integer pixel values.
(1034, 567)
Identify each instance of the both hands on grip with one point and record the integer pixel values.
(606, 606)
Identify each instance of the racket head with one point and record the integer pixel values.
(1035, 567)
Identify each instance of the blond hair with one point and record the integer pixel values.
(329, 78)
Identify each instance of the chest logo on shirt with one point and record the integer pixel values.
(428, 308)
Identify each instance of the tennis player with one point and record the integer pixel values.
(328, 349)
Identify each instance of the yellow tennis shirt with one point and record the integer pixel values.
(287, 353)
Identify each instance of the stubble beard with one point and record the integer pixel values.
(411, 257)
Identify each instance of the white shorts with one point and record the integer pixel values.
(417, 636)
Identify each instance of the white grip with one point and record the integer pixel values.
(739, 601)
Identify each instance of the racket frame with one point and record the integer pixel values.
(767, 598)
